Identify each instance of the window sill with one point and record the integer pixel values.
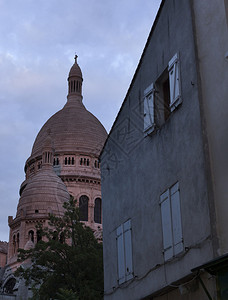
(149, 130)
(175, 104)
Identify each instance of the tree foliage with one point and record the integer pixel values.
(66, 263)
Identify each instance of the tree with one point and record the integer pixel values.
(66, 263)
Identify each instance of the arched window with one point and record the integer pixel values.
(31, 235)
(68, 160)
(87, 162)
(9, 286)
(14, 244)
(97, 210)
(18, 240)
(38, 236)
(72, 160)
(65, 160)
(83, 208)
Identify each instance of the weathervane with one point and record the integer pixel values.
(75, 57)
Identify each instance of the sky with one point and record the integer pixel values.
(39, 40)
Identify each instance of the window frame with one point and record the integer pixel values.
(153, 104)
(124, 252)
(148, 104)
(171, 220)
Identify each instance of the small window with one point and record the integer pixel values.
(81, 161)
(83, 208)
(56, 161)
(65, 160)
(36, 211)
(162, 99)
(87, 162)
(18, 240)
(96, 164)
(31, 236)
(72, 160)
(97, 211)
(14, 244)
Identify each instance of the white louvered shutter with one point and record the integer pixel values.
(176, 219)
(148, 107)
(128, 250)
(120, 254)
(174, 82)
(166, 225)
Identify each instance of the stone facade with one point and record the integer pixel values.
(3, 253)
(64, 161)
(164, 164)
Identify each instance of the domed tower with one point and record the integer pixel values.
(43, 193)
(77, 137)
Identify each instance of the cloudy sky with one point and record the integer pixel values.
(38, 42)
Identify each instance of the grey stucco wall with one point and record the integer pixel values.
(136, 170)
(212, 45)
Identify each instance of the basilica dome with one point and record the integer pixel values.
(73, 128)
(44, 193)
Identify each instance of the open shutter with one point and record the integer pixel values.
(174, 82)
(166, 225)
(128, 250)
(120, 254)
(149, 107)
(176, 219)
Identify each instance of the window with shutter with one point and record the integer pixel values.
(120, 254)
(149, 124)
(124, 252)
(128, 250)
(174, 82)
(166, 225)
(162, 96)
(171, 222)
(176, 219)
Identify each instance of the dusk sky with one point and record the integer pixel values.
(38, 42)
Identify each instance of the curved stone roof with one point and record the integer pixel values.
(44, 193)
(72, 129)
(75, 69)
